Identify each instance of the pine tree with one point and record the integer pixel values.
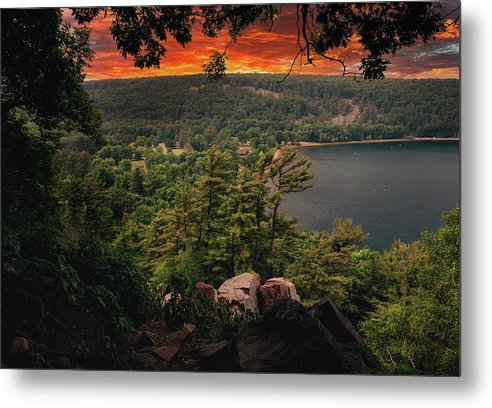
(250, 203)
(287, 174)
(137, 182)
(211, 187)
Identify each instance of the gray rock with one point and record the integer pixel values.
(354, 348)
(274, 289)
(146, 339)
(241, 292)
(144, 361)
(156, 330)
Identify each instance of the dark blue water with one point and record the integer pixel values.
(394, 190)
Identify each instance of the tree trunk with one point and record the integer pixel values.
(274, 229)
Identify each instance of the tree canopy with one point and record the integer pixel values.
(255, 108)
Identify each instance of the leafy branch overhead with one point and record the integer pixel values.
(380, 29)
(216, 67)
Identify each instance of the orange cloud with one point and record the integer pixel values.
(260, 50)
(437, 73)
(452, 30)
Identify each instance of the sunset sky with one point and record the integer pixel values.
(261, 50)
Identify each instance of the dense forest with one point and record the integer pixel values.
(131, 235)
(101, 237)
(196, 111)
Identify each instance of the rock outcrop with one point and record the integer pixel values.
(284, 337)
(340, 326)
(165, 346)
(288, 339)
(274, 289)
(241, 292)
(219, 356)
(355, 351)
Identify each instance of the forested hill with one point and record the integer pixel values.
(197, 111)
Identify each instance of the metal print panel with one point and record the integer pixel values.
(239, 188)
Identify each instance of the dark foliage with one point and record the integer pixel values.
(42, 275)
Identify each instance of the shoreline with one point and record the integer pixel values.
(415, 139)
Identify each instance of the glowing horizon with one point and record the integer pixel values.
(259, 50)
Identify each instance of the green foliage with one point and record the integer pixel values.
(126, 165)
(58, 201)
(288, 173)
(182, 305)
(117, 272)
(325, 266)
(418, 332)
(49, 87)
(115, 152)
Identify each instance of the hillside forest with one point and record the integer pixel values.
(259, 109)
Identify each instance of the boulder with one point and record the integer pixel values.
(166, 353)
(219, 356)
(153, 334)
(144, 361)
(157, 356)
(241, 292)
(177, 338)
(355, 351)
(146, 339)
(274, 289)
(288, 339)
(19, 345)
(335, 321)
(134, 337)
(205, 291)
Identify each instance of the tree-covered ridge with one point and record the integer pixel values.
(197, 111)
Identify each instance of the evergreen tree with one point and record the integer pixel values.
(418, 332)
(137, 182)
(287, 173)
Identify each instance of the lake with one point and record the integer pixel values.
(394, 190)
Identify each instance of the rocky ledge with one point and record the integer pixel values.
(284, 336)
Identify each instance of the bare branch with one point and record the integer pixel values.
(452, 23)
(451, 12)
(292, 65)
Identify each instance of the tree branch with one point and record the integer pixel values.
(291, 65)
